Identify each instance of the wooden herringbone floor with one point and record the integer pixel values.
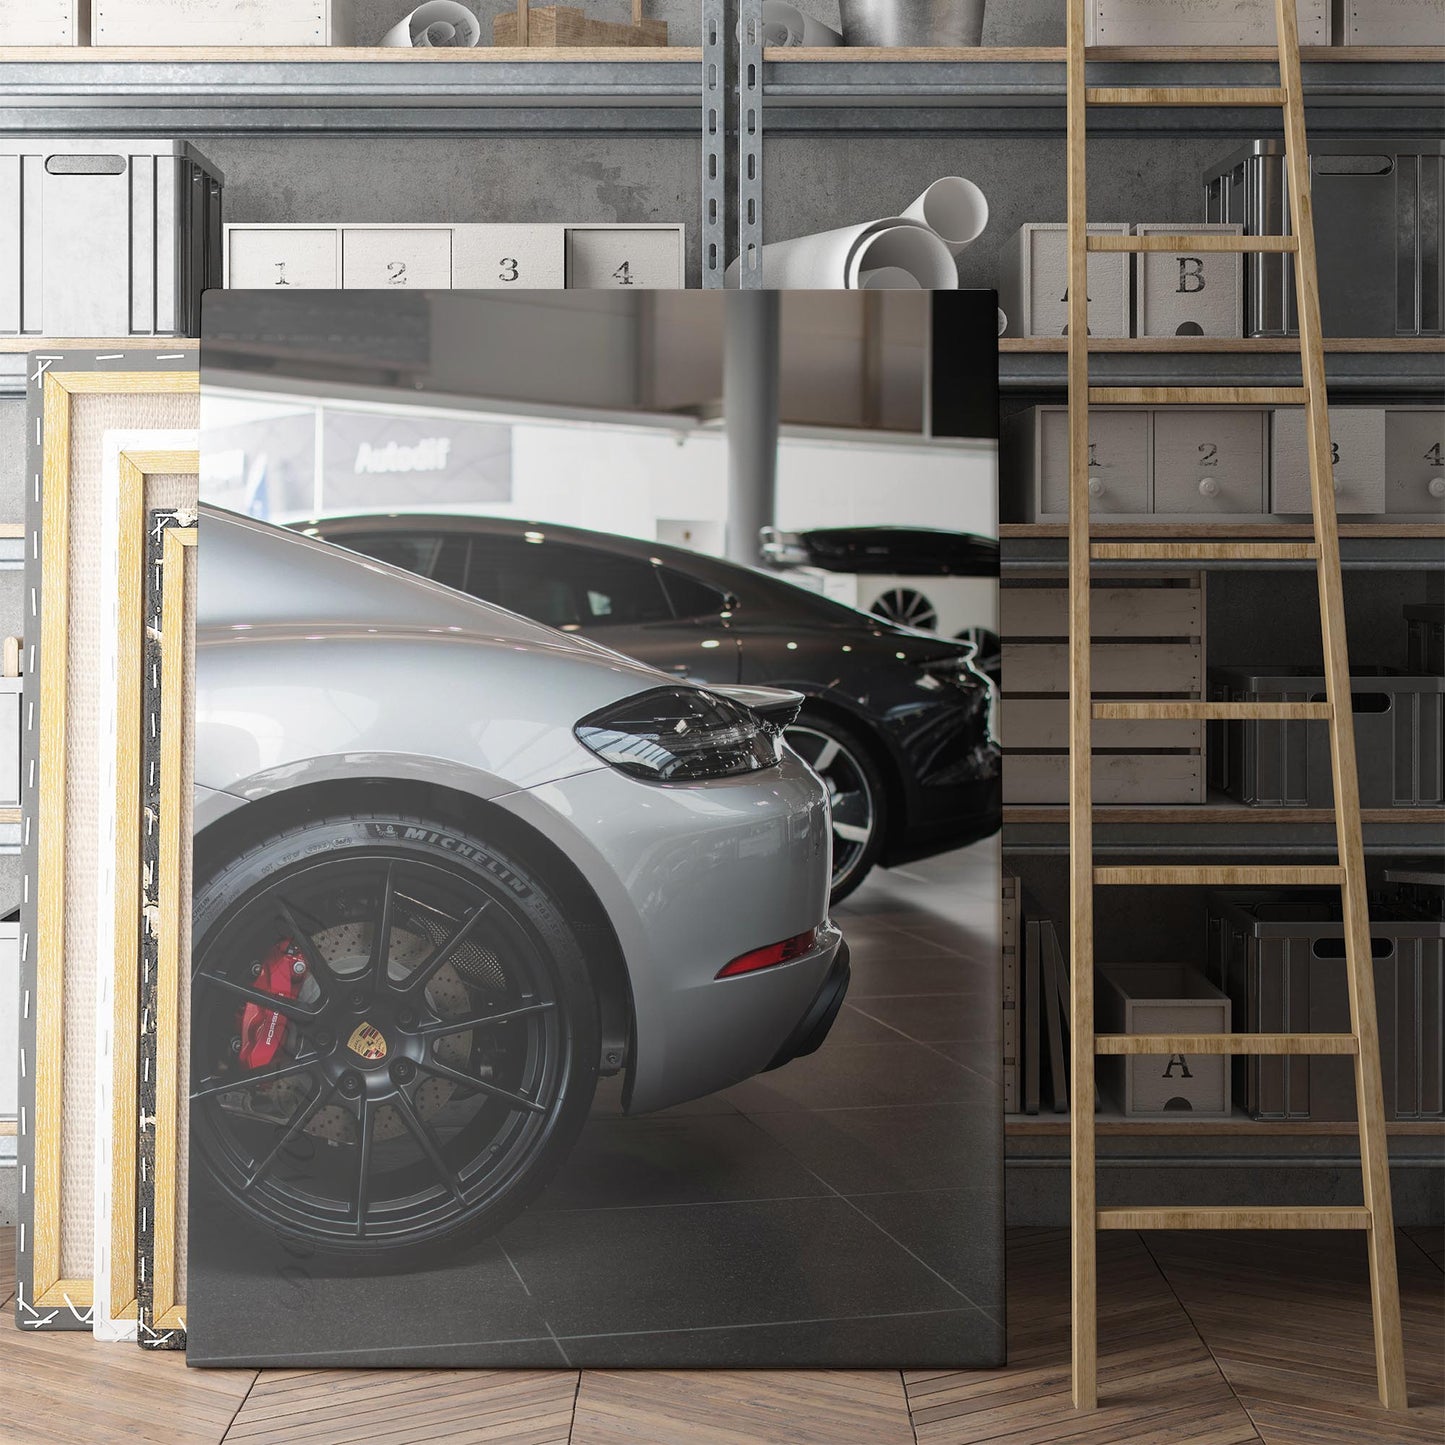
(1205, 1340)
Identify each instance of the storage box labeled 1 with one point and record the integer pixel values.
(1189, 293)
(1357, 451)
(1415, 460)
(42, 22)
(231, 22)
(1389, 22)
(1201, 22)
(106, 237)
(1034, 282)
(1152, 998)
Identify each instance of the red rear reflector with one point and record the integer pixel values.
(784, 952)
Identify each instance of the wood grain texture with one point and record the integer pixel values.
(1198, 395)
(1221, 875)
(1231, 95)
(335, 54)
(1226, 345)
(1267, 1044)
(1205, 551)
(1185, 241)
(1215, 1216)
(1212, 710)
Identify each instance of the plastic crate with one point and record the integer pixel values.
(1377, 215)
(1425, 637)
(1399, 737)
(106, 237)
(1280, 958)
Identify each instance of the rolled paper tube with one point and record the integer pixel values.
(835, 260)
(887, 278)
(786, 25)
(437, 25)
(1002, 321)
(954, 209)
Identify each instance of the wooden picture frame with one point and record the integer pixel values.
(74, 398)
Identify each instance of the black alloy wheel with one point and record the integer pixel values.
(394, 1038)
(855, 796)
(907, 607)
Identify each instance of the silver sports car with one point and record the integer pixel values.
(450, 867)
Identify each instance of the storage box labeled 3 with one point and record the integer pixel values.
(1034, 282)
(1150, 998)
(230, 22)
(106, 237)
(1357, 448)
(1201, 22)
(1184, 293)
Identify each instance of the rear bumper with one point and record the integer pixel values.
(944, 819)
(814, 1026)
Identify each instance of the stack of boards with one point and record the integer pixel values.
(105, 924)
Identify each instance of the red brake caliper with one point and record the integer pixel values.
(263, 1030)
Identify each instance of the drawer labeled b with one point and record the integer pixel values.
(1208, 461)
(276, 256)
(377, 258)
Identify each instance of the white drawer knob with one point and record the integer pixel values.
(1208, 487)
(1096, 485)
(1437, 486)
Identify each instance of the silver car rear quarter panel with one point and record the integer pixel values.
(692, 877)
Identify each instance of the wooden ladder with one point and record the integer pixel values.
(1348, 874)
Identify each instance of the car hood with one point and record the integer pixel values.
(263, 578)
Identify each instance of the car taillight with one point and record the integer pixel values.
(783, 952)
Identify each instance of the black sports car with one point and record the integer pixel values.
(898, 723)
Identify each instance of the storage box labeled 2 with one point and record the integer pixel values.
(1150, 998)
(1189, 293)
(106, 237)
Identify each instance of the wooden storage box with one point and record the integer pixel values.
(1357, 437)
(1389, 22)
(1148, 641)
(44, 22)
(1415, 460)
(1149, 998)
(1281, 958)
(1208, 462)
(106, 237)
(479, 256)
(221, 22)
(1033, 288)
(552, 26)
(1185, 293)
(1035, 463)
(1201, 22)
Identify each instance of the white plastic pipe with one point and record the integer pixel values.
(954, 208)
(786, 25)
(437, 25)
(887, 278)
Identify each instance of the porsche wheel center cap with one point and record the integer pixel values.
(367, 1042)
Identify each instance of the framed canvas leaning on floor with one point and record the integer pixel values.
(596, 887)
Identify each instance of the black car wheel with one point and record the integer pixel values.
(855, 795)
(907, 607)
(394, 1037)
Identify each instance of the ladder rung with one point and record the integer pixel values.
(1189, 241)
(1223, 1217)
(1266, 1044)
(1216, 711)
(1227, 876)
(1205, 551)
(1185, 95)
(1198, 395)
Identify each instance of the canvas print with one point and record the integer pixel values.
(595, 926)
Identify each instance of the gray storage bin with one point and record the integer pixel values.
(106, 238)
(1399, 739)
(1377, 210)
(1425, 637)
(1152, 998)
(1280, 957)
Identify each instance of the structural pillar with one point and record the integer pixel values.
(750, 417)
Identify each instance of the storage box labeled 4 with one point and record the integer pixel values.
(1189, 293)
(1033, 285)
(106, 237)
(1151, 998)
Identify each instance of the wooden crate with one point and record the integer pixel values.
(1148, 635)
(554, 26)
